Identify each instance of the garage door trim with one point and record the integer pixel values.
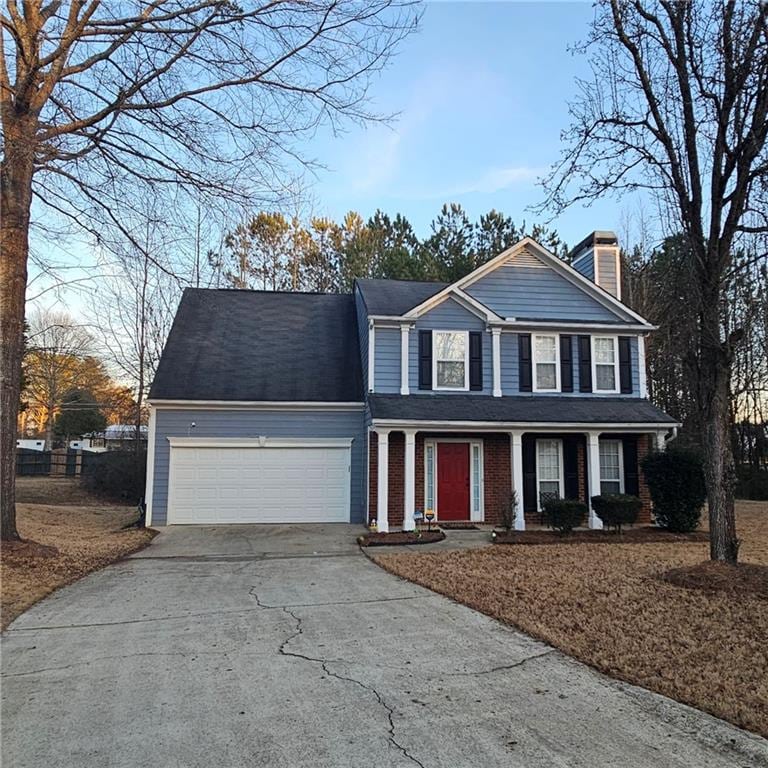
(344, 443)
(260, 442)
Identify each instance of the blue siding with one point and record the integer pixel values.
(586, 266)
(248, 423)
(510, 374)
(387, 361)
(448, 316)
(362, 331)
(527, 292)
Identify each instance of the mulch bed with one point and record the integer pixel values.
(399, 537)
(645, 535)
(744, 578)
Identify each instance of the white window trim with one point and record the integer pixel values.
(534, 362)
(465, 388)
(617, 384)
(475, 515)
(561, 467)
(620, 444)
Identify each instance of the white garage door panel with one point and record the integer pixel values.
(214, 485)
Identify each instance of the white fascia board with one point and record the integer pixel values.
(465, 300)
(255, 405)
(524, 426)
(260, 442)
(561, 325)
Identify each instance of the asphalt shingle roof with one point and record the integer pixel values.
(524, 409)
(260, 345)
(395, 297)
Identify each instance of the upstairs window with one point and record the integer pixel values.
(546, 364)
(450, 359)
(605, 361)
(611, 470)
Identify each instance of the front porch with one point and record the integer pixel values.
(468, 476)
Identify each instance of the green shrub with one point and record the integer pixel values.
(116, 475)
(676, 483)
(752, 483)
(617, 509)
(563, 515)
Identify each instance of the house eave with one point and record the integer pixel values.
(524, 426)
(255, 405)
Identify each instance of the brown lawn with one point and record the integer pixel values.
(66, 535)
(698, 635)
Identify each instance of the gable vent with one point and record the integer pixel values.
(526, 259)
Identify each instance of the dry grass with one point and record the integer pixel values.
(618, 609)
(62, 542)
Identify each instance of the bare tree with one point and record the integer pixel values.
(133, 309)
(679, 106)
(101, 101)
(55, 350)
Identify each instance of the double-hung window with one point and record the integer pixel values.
(451, 364)
(549, 469)
(546, 363)
(605, 358)
(611, 470)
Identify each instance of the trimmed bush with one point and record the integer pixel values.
(117, 475)
(617, 509)
(563, 515)
(676, 483)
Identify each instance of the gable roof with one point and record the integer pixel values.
(395, 297)
(621, 310)
(241, 345)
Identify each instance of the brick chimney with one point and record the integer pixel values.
(597, 257)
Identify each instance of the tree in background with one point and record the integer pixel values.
(325, 255)
(201, 101)
(58, 351)
(678, 105)
(79, 415)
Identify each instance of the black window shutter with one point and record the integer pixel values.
(625, 365)
(529, 500)
(585, 364)
(524, 355)
(566, 364)
(571, 466)
(475, 361)
(631, 478)
(425, 359)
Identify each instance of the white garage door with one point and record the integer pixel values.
(272, 482)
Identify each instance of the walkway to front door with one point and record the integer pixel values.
(453, 481)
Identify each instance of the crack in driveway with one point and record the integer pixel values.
(324, 664)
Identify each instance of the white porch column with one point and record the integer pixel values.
(496, 347)
(409, 508)
(593, 453)
(661, 443)
(382, 495)
(404, 359)
(516, 446)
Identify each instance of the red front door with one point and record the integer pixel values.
(453, 481)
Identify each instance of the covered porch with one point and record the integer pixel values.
(469, 477)
(462, 457)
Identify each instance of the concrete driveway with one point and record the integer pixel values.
(284, 646)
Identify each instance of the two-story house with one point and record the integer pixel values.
(528, 375)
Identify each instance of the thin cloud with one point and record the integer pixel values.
(495, 180)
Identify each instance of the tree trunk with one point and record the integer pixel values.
(719, 473)
(15, 200)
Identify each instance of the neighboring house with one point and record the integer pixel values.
(527, 374)
(115, 437)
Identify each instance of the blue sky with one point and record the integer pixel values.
(482, 92)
